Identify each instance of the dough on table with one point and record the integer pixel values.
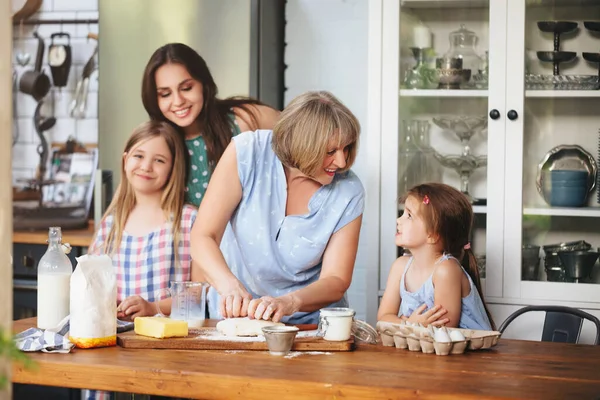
(243, 326)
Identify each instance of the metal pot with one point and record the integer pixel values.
(35, 82)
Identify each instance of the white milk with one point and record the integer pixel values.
(52, 299)
(337, 323)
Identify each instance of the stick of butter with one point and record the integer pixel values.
(159, 327)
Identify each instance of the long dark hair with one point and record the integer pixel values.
(213, 120)
(449, 215)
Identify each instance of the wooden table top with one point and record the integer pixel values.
(76, 237)
(512, 369)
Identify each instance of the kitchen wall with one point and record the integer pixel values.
(326, 48)
(25, 158)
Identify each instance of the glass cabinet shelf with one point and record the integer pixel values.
(564, 211)
(442, 93)
(445, 3)
(562, 93)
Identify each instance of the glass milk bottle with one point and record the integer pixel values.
(54, 282)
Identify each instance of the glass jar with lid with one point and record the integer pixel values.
(463, 43)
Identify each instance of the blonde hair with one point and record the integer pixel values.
(306, 128)
(173, 193)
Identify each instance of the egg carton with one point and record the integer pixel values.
(420, 338)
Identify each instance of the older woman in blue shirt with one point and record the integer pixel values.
(277, 232)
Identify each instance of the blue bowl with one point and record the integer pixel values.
(568, 184)
(566, 175)
(567, 197)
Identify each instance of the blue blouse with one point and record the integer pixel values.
(273, 254)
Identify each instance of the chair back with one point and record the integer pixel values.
(562, 324)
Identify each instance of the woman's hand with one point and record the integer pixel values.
(272, 308)
(135, 306)
(433, 316)
(235, 302)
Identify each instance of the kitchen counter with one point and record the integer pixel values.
(76, 237)
(511, 369)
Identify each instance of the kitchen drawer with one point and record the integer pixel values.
(27, 256)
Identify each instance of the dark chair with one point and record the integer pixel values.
(562, 324)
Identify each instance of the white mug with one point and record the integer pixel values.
(335, 323)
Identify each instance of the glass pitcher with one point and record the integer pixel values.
(462, 45)
(188, 302)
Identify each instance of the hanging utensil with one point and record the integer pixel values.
(78, 105)
(22, 56)
(42, 124)
(35, 82)
(59, 59)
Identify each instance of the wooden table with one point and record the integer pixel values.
(512, 369)
(75, 237)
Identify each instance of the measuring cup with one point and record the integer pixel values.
(189, 302)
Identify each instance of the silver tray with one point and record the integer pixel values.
(568, 156)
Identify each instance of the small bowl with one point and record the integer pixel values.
(280, 339)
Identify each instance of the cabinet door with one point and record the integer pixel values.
(552, 205)
(443, 90)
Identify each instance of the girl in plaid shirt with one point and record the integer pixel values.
(146, 228)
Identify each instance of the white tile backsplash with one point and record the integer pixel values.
(25, 130)
(87, 130)
(25, 155)
(57, 103)
(75, 5)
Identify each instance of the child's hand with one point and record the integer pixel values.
(135, 306)
(433, 316)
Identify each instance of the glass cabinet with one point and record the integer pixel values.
(553, 237)
(500, 99)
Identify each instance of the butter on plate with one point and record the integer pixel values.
(159, 327)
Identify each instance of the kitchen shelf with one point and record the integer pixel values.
(486, 3)
(562, 3)
(563, 211)
(562, 93)
(442, 93)
(445, 3)
(476, 209)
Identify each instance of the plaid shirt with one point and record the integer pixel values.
(145, 264)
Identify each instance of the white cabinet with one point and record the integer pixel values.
(510, 212)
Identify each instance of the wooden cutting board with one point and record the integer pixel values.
(210, 339)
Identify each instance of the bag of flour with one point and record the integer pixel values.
(93, 303)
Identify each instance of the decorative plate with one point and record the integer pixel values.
(569, 157)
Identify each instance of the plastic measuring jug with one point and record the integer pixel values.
(189, 302)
